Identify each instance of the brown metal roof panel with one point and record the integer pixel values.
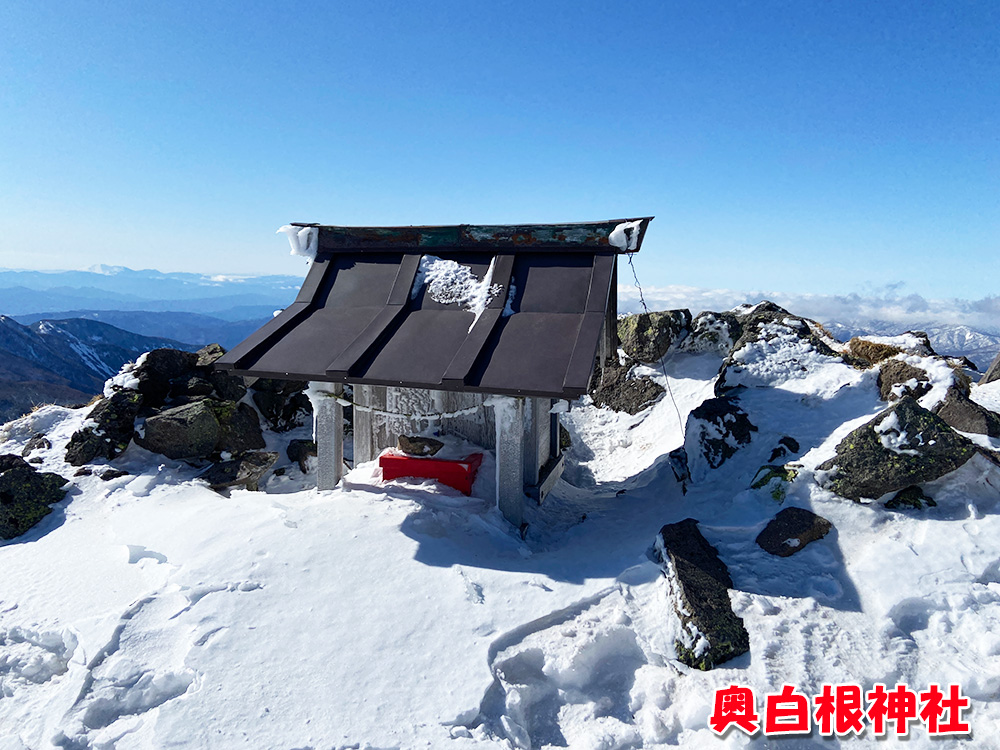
(529, 352)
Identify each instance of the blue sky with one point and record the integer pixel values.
(814, 147)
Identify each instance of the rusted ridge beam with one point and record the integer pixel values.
(378, 330)
(465, 358)
(475, 237)
(264, 337)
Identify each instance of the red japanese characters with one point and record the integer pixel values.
(842, 710)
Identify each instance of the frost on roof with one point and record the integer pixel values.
(625, 236)
(451, 283)
(304, 240)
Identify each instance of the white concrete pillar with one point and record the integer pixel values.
(328, 432)
(509, 415)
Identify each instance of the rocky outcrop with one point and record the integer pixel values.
(282, 403)
(897, 378)
(715, 431)
(700, 584)
(903, 445)
(962, 413)
(25, 495)
(911, 497)
(712, 333)
(112, 423)
(992, 373)
(612, 387)
(791, 530)
(646, 337)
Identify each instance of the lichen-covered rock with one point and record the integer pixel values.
(962, 413)
(239, 427)
(112, 424)
(612, 387)
(646, 337)
(700, 584)
(282, 403)
(897, 378)
(791, 530)
(903, 445)
(715, 431)
(300, 451)
(207, 355)
(712, 333)
(25, 496)
(245, 471)
(189, 431)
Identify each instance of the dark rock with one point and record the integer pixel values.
(282, 403)
(300, 451)
(25, 497)
(158, 371)
(962, 413)
(714, 432)
(646, 337)
(612, 387)
(786, 447)
(10, 461)
(898, 378)
(963, 363)
(38, 442)
(240, 427)
(84, 471)
(791, 530)
(36, 460)
(108, 474)
(712, 332)
(911, 497)
(208, 354)
(700, 582)
(678, 461)
(115, 423)
(992, 372)
(867, 466)
(246, 471)
(415, 445)
(193, 386)
(228, 387)
(188, 431)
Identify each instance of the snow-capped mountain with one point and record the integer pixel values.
(63, 361)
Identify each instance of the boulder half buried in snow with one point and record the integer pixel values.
(612, 387)
(700, 583)
(962, 413)
(25, 495)
(903, 445)
(791, 530)
(715, 431)
(245, 471)
(992, 373)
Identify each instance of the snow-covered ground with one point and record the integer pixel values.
(152, 612)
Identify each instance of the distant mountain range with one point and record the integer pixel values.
(63, 361)
(950, 340)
